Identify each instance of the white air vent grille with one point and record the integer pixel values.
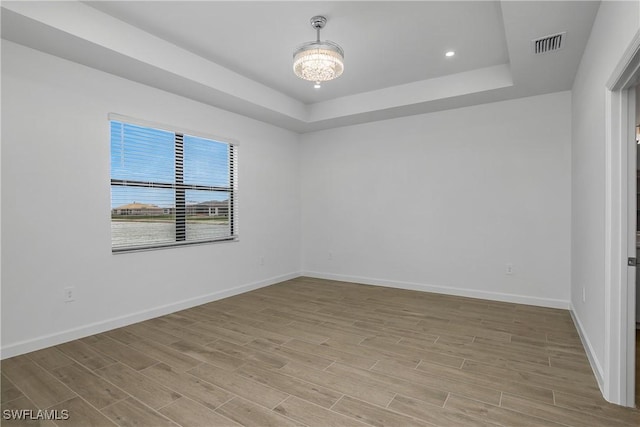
(549, 43)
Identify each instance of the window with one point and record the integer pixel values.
(169, 188)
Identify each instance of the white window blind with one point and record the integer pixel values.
(169, 188)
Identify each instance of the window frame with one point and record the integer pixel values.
(179, 186)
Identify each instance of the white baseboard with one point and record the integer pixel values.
(45, 341)
(471, 293)
(591, 355)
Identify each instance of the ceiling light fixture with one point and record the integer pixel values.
(450, 53)
(318, 61)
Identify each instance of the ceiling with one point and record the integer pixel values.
(385, 44)
(237, 55)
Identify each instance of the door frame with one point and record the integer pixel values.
(620, 202)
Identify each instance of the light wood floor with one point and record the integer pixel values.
(311, 352)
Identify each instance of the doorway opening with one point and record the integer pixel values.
(621, 178)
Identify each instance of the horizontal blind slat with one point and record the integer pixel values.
(145, 205)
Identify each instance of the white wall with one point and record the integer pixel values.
(56, 206)
(613, 29)
(444, 201)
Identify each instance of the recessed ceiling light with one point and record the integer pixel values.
(450, 53)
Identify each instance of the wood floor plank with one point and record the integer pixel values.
(123, 335)
(257, 333)
(255, 313)
(176, 359)
(511, 385)
(311, 392)
(515, 346)
(515, 329)
(82, 414)
(352, 314)
(406, 331)
(50, 358)
(239, 385)
(247, 354)
(178, 318)
(533, 342)
(85, 355)
(252, 313)
(551, 413)
(9, 390)
(555, 336)
(293, 315)
(331, 354)
(339, 332)
(310, 316)
(293, 331)
(132, 413)
(195, 314)
(122, 353)
(202, 392)
(153, 334)
(499, 350)
(436, 357)
(482, 351)
(313, 324)
(374, 353)
(92, 388)
(378, 380)
(566, 375)
(311, 360)
(471, 329)
(41, 387)
(474, 391)
(222, 333)
(188, 413)
(314, 415)
(207, 354)
(494, 414)
(581, 366)
(139, 386)
(599, 407)
(178, 329)
(442, 417)
(378, 396)
(249, 414)
(415, 332)
(374, 415)
(570, 349)
(530, 380)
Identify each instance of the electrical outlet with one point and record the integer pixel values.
(584, 294)
(69, 294)
(508, 269)
(330, 256)
(261, 260)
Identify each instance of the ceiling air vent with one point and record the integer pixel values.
(549, 43)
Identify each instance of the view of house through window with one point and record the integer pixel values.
(169, 188)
